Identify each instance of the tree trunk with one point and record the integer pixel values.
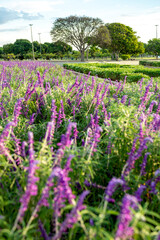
(115, 56)
(112, 56)
(82, 56)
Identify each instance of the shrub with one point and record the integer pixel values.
(125, 56)
(133, 77)
(150, 63)
(9, 56)
(152, 72)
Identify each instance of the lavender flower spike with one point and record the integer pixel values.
(31, 188)
(144, 163)
(124, 231)
(112, 187)
(72, 217)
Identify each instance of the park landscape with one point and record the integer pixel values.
(79, 148)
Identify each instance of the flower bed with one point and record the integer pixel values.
(79, 156)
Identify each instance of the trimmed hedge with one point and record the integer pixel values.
(150, 63)
(103, 70)
(134, 77)
(152, 72)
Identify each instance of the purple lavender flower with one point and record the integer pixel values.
(4, 135)
(141, 134)
(63, 191)
(145, 98)
(31, 188)
(124, 230)
(96, 138)
(49, 132)
(156, 88)
(65, 142)
(158, 108)
(157, 172)
(139, 192)
(45, 193)
(114, 182)
(23, 152)
(134, 156)
(151, 107)
(144, 163)
(153, 182)
(105, 92)
(91, 222)
(124, 98)
(95, 185)
(129, 102)
(17, 148)
(40, 79)
(32, 119)
(43, 231)
(72, 217)
(125, 79)
(73, 112)
(62, 109)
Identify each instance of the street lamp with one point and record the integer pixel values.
(156, 31)
(32, 41)
(40, 42)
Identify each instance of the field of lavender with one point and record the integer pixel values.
(80, 156)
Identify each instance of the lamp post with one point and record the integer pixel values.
(40, 42)
(32, 41)
(156, 31)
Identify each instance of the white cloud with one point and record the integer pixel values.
(34, 6)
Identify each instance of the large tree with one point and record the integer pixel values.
(75, 30)
(8, 48)
(101, 38)
(123, 40)
(22, 46)
(153, 47)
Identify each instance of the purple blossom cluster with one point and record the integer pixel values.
(124, 230)
(101, 118)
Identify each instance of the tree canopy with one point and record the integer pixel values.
(22, 46)
(101, 38)
(153, 46)
(8, 48)
(123, 40)
(75, 31)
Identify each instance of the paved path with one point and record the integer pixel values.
(135, 62)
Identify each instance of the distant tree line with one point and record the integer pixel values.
(22, 49)
(90, 36)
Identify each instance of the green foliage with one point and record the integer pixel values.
(100, 218)
(125, 56)
(101, 38)
(152, 72)
(150, 63)
(123, 40)
(75, 30)
(153, 46)
(8, 48)
(133, 77)
(9, 56)
(22, 46)
(1, 52)
(114, 71)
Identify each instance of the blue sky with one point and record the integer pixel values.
(15, 16)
